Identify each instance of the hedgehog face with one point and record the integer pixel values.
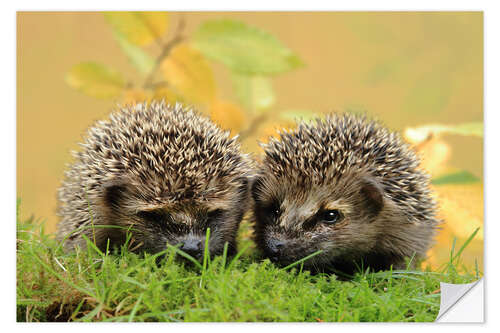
(294, 220)
(181, 223)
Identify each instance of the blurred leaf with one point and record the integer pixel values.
(135, 95)
(243, 48)
(430, 94)
(294, 115)
(461, 207)
(190, 74)
(254, 92)
(272, 128)
(460, 177)
(140, 59)
(228, 116)
(95, 80)
(434, 155)
(168, 94)
(140, 28)
(419, 134)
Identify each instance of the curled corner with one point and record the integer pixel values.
(462, 303)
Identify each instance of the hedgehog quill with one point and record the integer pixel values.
(346, 186)
(165, 172)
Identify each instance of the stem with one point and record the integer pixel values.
(254, 125)
(178, 37)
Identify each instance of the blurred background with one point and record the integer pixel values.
(420, 73)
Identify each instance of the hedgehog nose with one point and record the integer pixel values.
(275, 246)
(192, 247)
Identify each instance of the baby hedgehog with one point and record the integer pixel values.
(165, 173)
(346, 186)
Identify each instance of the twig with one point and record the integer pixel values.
(178, 37)
(254, 125)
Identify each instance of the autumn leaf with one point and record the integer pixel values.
(434, 156)
(186, 70)
(243, 48)
(135, 95)
(168, 95)
(95, 80)
(228, 116)
(461, 208)
(273, 128)
(140, 28)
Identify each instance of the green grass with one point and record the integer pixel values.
(121, 286)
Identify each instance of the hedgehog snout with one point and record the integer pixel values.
(275, 247)
(192, 246)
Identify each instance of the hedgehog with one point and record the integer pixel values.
(347, 188)
(163, 173)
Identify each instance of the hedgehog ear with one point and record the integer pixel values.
(114, 192)
(373, 194)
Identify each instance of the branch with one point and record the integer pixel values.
(254, 125)
(178, 37)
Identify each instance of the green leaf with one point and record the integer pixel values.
(140, 28)
(474, 129)
(421, 133)
(460, 177)
(244, 49)
(254, 92)
(95, 80)
(296, 114)
(140, 59)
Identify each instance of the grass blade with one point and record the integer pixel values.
(462, 248)
(302, 260)
(136, 307)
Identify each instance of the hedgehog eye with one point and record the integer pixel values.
(275, 212)
(331, 216)
(156, 215)
(272, 212)
(214, 215)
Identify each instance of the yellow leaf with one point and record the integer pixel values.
(461, 207)
(156, 21)
(170, 96)
(272, 129)
(186, 70)
(434, 155)
(140, 28)
(135, 95)
(228, 116)
(461, 210)
(95, 80)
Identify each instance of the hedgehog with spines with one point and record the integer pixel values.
(345, 186)
(163, 172)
